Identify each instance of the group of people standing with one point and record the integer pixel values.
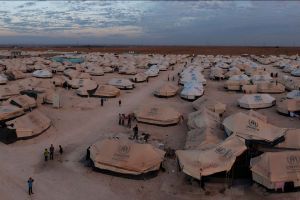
(126, 120)
(49, 154)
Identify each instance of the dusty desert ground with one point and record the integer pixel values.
(81, 122)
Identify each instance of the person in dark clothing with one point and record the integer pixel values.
(123, 120)
(46, 154)
(129, 121)
(146, 137)
(173, 79)
(272, 74)
(51, 151)
(136, 132)
(88, 154)
(120, 102)
(61, 150)
(30, 183)
(120, 119)
(102, 101)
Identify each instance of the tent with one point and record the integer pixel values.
(85, 83)
(9, 111)
(8, 91)
(210, 104)
(42, 74)
(130, 70)
(272, 169)
(15, 74)
(290, 83)
(192, 91)
(158, 115)
(252, 128)
(72, 73)
(192, 77)
(236, 81)
(23, 101)
(166, 90)
(256, 101)
(3, 79)
(95, 71)
(288, 106)
(296, 72)
(203, 138)
(261, 78)
(197, 163)
(217, 73)
(139, 77)
(106, 91)
(291, 139)
(203, 118)
(294, 94)
(121, 83)
(125, 156)
(270, 87)
(31, 124)
(152, 71)
(233, 71)
(107, 69)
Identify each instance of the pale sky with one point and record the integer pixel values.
(151, 22)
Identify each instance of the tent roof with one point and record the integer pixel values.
(277, 166)
(126, 156)
(197, 163)
(252, 128)
(31, 124)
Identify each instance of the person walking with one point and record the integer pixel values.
(101, 101)
(120, 118)
(88, 154)
(136, 132)
(123, 119)
(51, 151)
(120, 102)
(46, 154)
(129, 121)
(30, 183)
(61, 151)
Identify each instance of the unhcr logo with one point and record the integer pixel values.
(293, 160)
(123, 150)
(252, 124)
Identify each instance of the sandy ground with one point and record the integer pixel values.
(82, 121)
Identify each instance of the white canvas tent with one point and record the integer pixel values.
(31, 124)
(203, 138)
(270, 87)
(121, 83)
(251, 101)
(166, 90)
(9, 111)
(157, 115)
(276, 168)
(192, 91)
(3, 79)
(23, 101)
(203, 118)
(42, 74)
(210, 104)
(197, 163)
(294, 94)
(139, 77)
(252, 128)
(106, 91)
(125, 156)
